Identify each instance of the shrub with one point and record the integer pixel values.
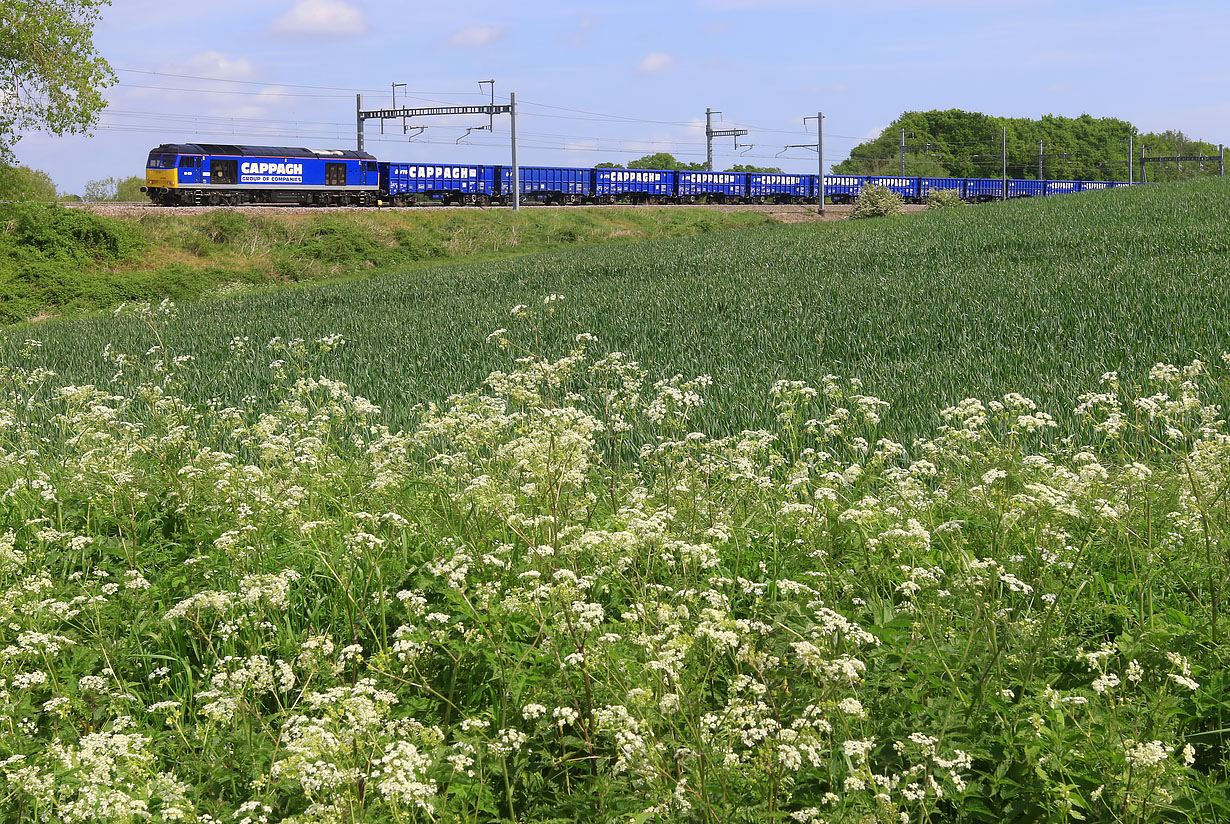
(55, 232)
(877, 201)
(24, 183)
(341, 241)
(944, 199)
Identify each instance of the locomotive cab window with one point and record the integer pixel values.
(335, 174)
(161, 161)
(187, 162)
(224, 172)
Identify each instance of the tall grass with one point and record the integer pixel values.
(66, 266)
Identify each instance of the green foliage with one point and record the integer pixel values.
(944, 199)
(51, 76)
(114, 189)
(877, 201)
(24, 183)
(51, 256)
(226, 250)
(739, 167)
(659, 160)
(68, 234)
(955, 143)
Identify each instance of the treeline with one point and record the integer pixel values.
(668, 162)
(957, 143)
(24, 183)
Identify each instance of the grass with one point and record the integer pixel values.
(1040, 297)
(56, 261)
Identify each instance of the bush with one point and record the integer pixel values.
(49, 231)
(877, 201)
(24, 183)
(341, 241)
(944, 199)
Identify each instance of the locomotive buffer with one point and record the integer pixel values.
(490, 110)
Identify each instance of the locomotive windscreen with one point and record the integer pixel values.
(161, 161)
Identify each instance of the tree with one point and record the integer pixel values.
(51, 76)
(955, 143)
(113, 189)
(739, 167)
(128, 190)
(24, 183)
(100, 191)
(659, 160)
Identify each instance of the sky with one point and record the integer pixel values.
(611, 81)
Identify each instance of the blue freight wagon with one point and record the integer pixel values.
(449, 183)
(906, 187)
(549, 184)
(843, 188)
(638, 185)
(1062, 187)
(779, 188)
(983, 188)
(719, 187)
(927, 185)
(225, 174)
(1026, 188)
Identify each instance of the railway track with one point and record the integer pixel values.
(787, 213)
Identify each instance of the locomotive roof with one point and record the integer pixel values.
(258, 151)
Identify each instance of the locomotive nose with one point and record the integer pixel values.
(161, 179)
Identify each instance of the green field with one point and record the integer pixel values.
(714, 579)
(1038, 297)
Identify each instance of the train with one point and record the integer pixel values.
(211, 174)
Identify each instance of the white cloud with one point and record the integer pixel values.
(321, 17)
(655, 62)
(216, 64)
(476, 36)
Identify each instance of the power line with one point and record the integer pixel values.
(286, 85)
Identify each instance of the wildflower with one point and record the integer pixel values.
(1146, 754)
(564, 716)
(1105, 682)
(1184, 681)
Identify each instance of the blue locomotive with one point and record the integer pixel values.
(186, 174)
(211, 174)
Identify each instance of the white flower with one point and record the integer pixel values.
(1105, 682)
(1146, 754)
(1184, 681)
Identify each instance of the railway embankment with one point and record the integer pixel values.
(56, 261)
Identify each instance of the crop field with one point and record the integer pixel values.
(1038, 297)
(908, 520)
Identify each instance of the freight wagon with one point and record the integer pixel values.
(220, 174)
